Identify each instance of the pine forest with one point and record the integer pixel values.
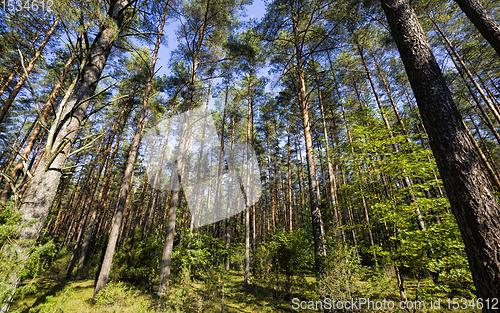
(249, 156)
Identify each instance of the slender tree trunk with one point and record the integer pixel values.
(166, 259)
(13, 94)
(200, 155)
(230, 191)
(46, 178)
(484, 144)
(467, 71)
(301, 176)
(493, 176)
(317, 221)
(248, 183)
(391, 99)
(401, 284)
(42, 117)
(127, 176)
(13, 70)
(484, 115)
(331, 174)
(468, 188)
(15, 153)
(290, 206)
(93, 190)
(174, 204)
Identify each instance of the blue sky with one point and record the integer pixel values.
(255, 10)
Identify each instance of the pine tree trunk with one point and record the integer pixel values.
(467, 71)
(200, 155)
(86, 245)
(484, 22)
(93, 189)
(13, 70)
(166, 260)
(127, 176)
(42, 117)
(15, 153)
(289, 180)
(228, 225)
(248, 183)
(331, 174)
(46, 178)
(468, 188)
(13, 94)
(493, 176)
(391, 99)
(484, 115)
(483, 143)
(317, 221)
(301, 176)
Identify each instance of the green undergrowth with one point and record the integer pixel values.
(53, 296)
(281, 273)
(229, 295)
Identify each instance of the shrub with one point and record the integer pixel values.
(137, 261)
(342, 269)
(117, 297)
(284, 260)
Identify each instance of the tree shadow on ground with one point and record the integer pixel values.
(260, 296)
(48, 287)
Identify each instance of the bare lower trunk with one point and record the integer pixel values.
(47, 176)
(331, 174)
(469, 190)
(228, 225)
(86, 244)
(166, 259)
(127, 176)
(248, 197)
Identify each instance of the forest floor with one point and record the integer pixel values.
(55, 294)
(76, 296)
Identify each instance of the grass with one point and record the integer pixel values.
(224, 293)
(76, 296)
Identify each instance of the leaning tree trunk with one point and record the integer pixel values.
(175, 200)
(13, 70)
(13, 94)
(46, 178)
(484, 22)
(43, 115)
(467, 186)
(127, 176)
(88, 204)
(466, 70)
(166, 258)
